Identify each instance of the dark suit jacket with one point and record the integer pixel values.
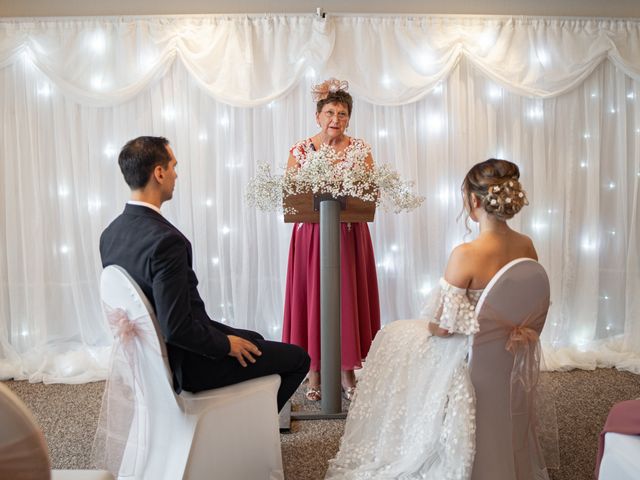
(158, 257)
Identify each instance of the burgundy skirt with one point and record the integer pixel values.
(359, 293)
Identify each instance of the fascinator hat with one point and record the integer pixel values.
(326, 88)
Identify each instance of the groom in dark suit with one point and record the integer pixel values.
(203, 353)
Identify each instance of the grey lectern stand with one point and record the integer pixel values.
(329, 212)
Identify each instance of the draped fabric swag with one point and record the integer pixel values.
(433, 95)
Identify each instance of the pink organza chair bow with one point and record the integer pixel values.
(119, 445)
(505, 365)
(23, 450)
(147, 432)
(123, 327)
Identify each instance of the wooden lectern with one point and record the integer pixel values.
(307, 207)
(329, 212)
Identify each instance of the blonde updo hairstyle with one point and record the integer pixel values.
(496, 183)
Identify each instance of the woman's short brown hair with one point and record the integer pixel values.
(340, 96)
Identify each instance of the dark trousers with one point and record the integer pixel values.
(289, 361)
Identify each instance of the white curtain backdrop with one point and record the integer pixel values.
(433, 96)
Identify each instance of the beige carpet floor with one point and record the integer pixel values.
(68, 415)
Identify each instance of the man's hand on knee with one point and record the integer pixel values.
(243, 350)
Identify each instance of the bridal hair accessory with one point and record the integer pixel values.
(332, 85)
(505, 199)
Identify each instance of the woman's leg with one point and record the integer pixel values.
(348, 379)
(313, 386)
(314, 378)
(348, 384)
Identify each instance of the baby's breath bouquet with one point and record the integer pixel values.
(341, 175)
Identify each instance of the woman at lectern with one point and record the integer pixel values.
(359, 286)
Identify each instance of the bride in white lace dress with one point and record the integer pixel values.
(413, 416)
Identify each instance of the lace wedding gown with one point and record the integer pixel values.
(413, 416)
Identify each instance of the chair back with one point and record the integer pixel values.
(230, 432)
(504, 364)
(119, 291)
(140, 371)
(23, 451)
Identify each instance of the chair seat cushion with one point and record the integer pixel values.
(621, 458)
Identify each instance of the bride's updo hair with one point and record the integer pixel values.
(496, 183)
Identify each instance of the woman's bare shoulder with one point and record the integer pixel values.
(523, 243)
(523, 237)
(459, 271)
(528, 244)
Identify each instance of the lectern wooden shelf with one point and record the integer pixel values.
(307, 207)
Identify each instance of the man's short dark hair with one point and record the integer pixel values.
(140, 156)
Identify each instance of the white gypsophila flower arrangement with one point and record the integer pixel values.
(341, 175)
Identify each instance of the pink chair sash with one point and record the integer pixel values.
(125, 329)
(25, 458)
(116, 429)
(524, 343)
(527, 397)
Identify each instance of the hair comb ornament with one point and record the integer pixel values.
(332, 85)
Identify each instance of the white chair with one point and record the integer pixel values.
(229, 433)
(619, 444)
(23, 451)
(621, 458)
(506, 445)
